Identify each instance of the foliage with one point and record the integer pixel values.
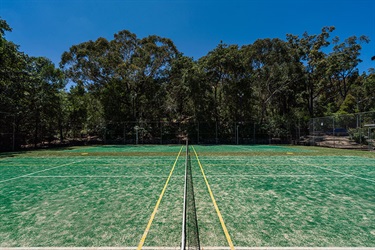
(274, 83)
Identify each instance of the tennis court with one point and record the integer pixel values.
(129, 197)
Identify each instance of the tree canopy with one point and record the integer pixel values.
(271, 82)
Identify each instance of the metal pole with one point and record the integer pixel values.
(333, 131)
(357, 121)
(105, 134)
(198, 133)
(216, 139)
(299, 130)
(179, 133)
(360, 130)
(136, 136)
(313, 128)
(254, 134)
(14, 133)
(124, 133)
(237, 133)
(161, 132)
(369, 139)
(142, 136)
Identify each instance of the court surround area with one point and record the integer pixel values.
(131, 197)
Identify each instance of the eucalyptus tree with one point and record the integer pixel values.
(342, 71)
(213, 66)
(29, 91)
(41, 96)
(276, 73)
(127, 74)
(311, 53)
(12, 63)
(235, 92)
(225, 73)
(188, 94)
(363, 92)
(152, 63)
(178, 103)
(88, 66)
(12, 72)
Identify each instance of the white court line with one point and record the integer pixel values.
(96, 165)
(290, 248)
(175, 248)
(26, 175)
(335, 171)
(100, 176)
(286, 165)
(281, 175)
(87, 248)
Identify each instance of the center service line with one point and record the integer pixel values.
(142, 241)
(215, 205)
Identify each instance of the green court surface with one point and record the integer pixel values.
(132, 196)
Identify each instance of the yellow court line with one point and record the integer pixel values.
(142, 241)
(215, 205)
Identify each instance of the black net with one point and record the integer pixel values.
(190, 233)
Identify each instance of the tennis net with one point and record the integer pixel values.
(190, 233)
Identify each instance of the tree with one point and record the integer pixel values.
(42, 98)
(276, 72)
(127, 74)
(309, 48)
(341, 69)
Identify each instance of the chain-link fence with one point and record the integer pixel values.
(148, 132)
(351, 131)
(355, 131)
(7, 131)
(174, 132)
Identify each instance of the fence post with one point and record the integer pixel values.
(216, 139)
(254, 134)
(313, 130)
(333, 132)
(14, 134)
(360, 130)
(198, 133)
(136, 135)
(161, 132)
(124, 134)
(105, 134)
(237, 133)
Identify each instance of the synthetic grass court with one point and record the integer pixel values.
(268, 196)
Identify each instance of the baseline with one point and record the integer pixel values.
(176, 248)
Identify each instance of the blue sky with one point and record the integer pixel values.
(49, 27)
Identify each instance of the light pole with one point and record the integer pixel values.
(240, 94)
